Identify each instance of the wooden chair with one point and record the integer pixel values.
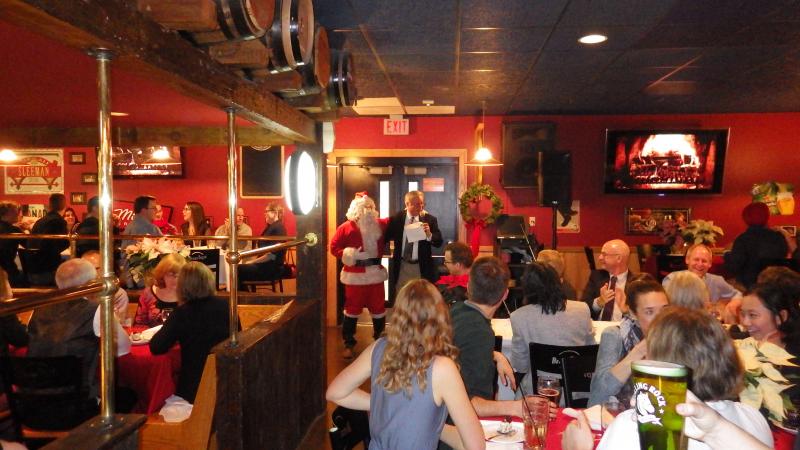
(350, 428)
(193, 433)
(590, 257)
(547, 358)
(45, 396)
(577, 369)
(132, 308)
(666, 264)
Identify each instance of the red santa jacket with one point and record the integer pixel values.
(346, 243)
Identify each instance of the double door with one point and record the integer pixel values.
(387, 180)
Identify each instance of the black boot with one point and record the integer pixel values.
(349, 335)
(378, 324)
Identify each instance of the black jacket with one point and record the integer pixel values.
(394, 232)
(48, 257)
(752, 251)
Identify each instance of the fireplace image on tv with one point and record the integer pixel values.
(661, 161)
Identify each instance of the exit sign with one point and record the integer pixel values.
(394, 127)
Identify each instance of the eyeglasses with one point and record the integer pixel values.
(448, 262)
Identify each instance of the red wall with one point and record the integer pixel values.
(761, 147)
(205, 181)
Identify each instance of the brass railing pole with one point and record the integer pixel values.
(105, 190)
(233, 243)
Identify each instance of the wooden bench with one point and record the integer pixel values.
(193, 433)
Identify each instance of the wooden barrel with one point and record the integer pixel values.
(316, 74)
(342, 87)
(238, 20)
(291, 37)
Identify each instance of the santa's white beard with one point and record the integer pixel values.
(370, 233)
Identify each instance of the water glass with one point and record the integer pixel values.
(165, 314)
(535, 415)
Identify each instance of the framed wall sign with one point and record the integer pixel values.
(77, 158)
(38, 171)
(262, 171)
(650, 221)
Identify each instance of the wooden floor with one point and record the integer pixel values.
(317, 438)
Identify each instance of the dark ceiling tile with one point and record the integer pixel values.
(510, 13)
(495, 61)
(407, 13)
(514, 40)
(365, 63)
(413, 41)
(636, 77)
(711, 12)
(587, 59)
(774, 33)
(590, 13)
(496, 78)
(656, 57)
(684, 36)
(427, 79)
(419, 63)
(335, 14)
(352, 41)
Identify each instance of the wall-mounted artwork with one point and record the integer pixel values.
(77, 198)
(262, 171)
(36, 171)
(135, 162)
(650, 221)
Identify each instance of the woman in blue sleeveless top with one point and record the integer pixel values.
(414, 380)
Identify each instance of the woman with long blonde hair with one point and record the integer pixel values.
(414, 379)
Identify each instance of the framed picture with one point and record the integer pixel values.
(89, 178)
(791, 230)
(77, 158)
(137, 162)
(522, 144)
(38, 171)
(261, 169)
(651, 221)
(77, 198)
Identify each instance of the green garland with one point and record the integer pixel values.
(473, 194)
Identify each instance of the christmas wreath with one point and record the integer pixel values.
(474, 194)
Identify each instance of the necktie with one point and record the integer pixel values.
(608, 309)
(408, 248)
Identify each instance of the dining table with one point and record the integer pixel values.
(152, 377)
(784, 440)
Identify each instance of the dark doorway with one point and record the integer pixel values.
(387, 180)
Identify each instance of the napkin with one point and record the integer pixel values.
(150, 332)
(592, 414)
(176, 409)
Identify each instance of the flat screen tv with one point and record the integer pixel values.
(665, 161)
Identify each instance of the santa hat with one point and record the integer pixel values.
(756, 214)
(357, 205)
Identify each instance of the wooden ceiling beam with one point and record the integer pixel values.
(137, 137)
(143, 47)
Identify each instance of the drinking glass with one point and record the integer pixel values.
(165, 314)
(535, 415)
(549, 387)
(658, 387)
(610, 410)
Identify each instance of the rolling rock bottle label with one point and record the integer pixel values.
(650, 404)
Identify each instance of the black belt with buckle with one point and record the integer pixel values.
(368, 262)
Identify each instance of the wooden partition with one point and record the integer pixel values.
(269, 386)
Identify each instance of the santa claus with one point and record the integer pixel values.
(359, 244)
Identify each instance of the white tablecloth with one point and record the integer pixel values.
(502, 327)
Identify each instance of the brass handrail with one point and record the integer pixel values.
(272, 248)
(89, 237)
(19, 304)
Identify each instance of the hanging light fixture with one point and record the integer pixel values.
(7, 156)
(483, 156)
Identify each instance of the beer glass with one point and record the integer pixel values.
(658, 387)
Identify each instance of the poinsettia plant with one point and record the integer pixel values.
(143, 256)
(765, 385)
(701, 232)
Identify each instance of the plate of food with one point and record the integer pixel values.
(503, 432)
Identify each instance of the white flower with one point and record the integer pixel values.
(764, 383)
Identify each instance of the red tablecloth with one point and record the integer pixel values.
(783, 439)
(153, 377)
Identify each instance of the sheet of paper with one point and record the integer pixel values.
(415, 232)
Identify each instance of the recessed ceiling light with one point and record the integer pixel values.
(593, 39)
(119, 114)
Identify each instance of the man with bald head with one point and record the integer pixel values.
(604, 292)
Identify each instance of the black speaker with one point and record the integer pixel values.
(555, 178)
